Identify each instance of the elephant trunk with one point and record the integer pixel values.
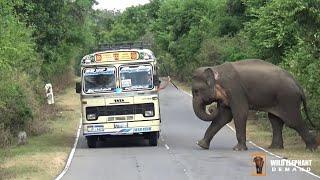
(199, 108)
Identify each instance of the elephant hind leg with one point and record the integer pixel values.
(294, 121)
(277, 126)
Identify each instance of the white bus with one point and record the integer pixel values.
(118, 94)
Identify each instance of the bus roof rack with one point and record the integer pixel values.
(123, 45)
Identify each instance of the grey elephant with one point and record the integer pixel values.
(238, 87)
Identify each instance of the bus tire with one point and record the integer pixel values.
(92, 141)
(153, 138)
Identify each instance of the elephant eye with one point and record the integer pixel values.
(196, 92)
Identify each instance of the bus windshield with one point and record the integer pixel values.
(136, 77)
(100, 79)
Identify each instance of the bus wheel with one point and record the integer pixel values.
(153, 138)
(92, 141)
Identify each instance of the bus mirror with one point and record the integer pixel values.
(78, 87)
(156, 81)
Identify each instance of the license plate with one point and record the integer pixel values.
(120, 125)
(142, 129)
(98, 128)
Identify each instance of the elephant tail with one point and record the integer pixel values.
(304, 101)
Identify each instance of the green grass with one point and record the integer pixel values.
(44, 156)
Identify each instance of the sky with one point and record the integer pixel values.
(118, 4)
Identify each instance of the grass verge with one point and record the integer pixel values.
(259, 131)
(44, 156)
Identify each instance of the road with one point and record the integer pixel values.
(176, 157)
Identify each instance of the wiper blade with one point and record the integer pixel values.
(101, 90)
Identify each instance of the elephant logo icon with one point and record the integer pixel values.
(259, 164)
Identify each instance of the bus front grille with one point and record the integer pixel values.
(117, 110)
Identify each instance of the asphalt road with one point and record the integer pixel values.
(176, 156)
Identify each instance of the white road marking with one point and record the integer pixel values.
(270, 153)
(231, 128)
(167, 147)
(186, 92)
(71, 153)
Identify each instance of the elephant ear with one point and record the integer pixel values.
(210, 76)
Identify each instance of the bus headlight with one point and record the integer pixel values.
(91, 116)
(148, 113)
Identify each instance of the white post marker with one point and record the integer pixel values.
(49, 93)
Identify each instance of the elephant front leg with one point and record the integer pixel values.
(224, 116)
(240, 121)
(257, 169)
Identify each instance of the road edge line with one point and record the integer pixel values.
(167, 147)
(73, 150)
(268, 152)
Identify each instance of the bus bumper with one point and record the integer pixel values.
(121, 128)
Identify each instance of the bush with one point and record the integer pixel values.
(15, 110)
(215, 51)
(5, 136)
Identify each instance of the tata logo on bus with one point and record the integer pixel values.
(119, 100)
(117, 56)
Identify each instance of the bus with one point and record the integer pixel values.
(119, 94)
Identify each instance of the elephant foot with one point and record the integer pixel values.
(312, 147)
(203, 144)
(240, 147)
(276, 146)
(313, 144)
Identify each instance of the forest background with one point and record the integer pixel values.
(43, 41)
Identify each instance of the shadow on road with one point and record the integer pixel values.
(118, 142)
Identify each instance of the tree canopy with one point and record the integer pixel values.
(42, 41)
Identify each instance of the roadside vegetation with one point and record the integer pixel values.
(45, 155)
(39, 43)
(42, 42)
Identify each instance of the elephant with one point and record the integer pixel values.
(252, 84)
